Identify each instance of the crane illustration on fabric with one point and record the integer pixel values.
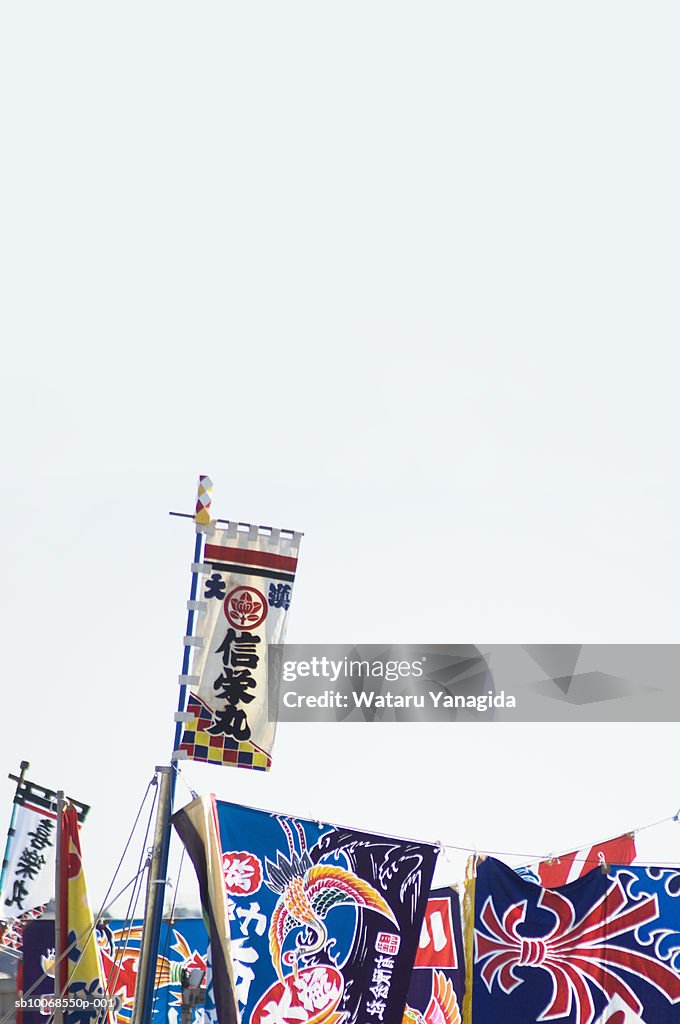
(324, 921)
(443, 1005)
(307, 893)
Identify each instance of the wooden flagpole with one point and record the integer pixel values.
(153, 911)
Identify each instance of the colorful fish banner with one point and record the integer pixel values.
(324, 921)
(29, 871)
(435, 993)
(568, 867)
(182, 948)
(245, 598)
(604, 948)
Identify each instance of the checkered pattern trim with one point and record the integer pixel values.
(200, 745)
(204, 500)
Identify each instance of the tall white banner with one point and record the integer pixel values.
(246, 589)
(29, 878)
(29, 873)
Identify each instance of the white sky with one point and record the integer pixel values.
(400, 275)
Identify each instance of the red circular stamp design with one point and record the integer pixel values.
(242, 872)
(245, 607)
(311, 995)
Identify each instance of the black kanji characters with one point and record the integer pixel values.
(239, 657)
(233, 686)
(215, 587)
(239, 651)
(232, 721)
(279, 595)
(19, 894)
(42, 836)
(29, 863)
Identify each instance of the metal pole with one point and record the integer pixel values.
(59, 911)
(153, 911)
(23, 768)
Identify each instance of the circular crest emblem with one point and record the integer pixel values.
(245, 607)
(309, 996)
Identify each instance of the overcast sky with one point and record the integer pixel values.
(400, 275)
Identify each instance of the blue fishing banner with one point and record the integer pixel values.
(183, 946)
(603, 948)
(324, 921)
(435, 993)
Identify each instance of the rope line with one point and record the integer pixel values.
(142, 865)
(96, 918)
(531, 858)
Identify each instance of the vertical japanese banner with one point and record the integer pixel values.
(435, 994)
(81, 978)
(246, 588)
(29, 874)
(324, 921)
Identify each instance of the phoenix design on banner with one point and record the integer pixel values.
(324, 921)
(307, 893)
(443, 1005)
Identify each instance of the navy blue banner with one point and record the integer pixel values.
(325, 921)
(603, 948)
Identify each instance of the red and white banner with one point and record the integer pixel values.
(570, 866)
(437, 947)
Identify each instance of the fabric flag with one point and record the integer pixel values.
(11, 932)
(244, 605)
(183, 945)
(80, 973)
(618, 1013)
(568, 867)
(564, 955)
(325, 921)
(29, 873)
(198, 829)
(435, 993)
